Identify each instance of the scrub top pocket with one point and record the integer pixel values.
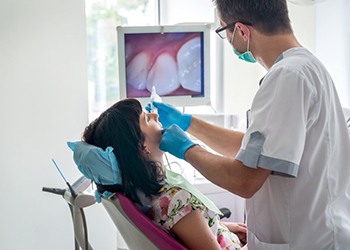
(255, 244)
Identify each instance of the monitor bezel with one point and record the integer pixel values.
(177, 101)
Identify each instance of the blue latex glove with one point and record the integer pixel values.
(148, 107)
(169, 115)
(175, 141)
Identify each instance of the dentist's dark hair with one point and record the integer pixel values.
(119, 127)
(268, 17)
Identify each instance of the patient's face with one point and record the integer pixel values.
(152, 130)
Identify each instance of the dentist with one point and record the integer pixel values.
(293, 163)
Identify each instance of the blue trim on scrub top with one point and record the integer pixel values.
(252, 157)
(279, 58)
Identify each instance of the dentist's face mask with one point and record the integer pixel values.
(246, 56)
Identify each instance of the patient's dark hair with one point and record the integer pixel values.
(119, 127)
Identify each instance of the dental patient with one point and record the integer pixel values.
(134, 135)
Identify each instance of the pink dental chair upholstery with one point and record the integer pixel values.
(137, 230)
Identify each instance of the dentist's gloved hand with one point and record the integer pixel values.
(169, 115)
(175, 141)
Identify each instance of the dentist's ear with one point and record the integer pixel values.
(243, 31)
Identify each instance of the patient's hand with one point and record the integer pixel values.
(239, 229)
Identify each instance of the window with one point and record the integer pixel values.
(102, 18)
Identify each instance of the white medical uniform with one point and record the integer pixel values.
(297, 129)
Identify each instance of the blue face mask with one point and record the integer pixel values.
(246, 56)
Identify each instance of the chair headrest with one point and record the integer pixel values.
(96, 164)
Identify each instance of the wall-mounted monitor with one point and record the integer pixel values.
(175, 59)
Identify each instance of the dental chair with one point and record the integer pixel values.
(137, 230)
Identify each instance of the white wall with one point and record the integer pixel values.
(333, 40)
(43, 104)
(180, 11)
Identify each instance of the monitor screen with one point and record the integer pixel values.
(174, 59)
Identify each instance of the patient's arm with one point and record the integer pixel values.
(194, 232)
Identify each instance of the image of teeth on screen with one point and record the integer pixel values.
(172, 62)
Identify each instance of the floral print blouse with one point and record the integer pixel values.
(173, 203)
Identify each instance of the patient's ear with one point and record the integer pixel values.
(145, 150)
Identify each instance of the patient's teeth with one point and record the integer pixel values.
(137, 70)
(188, 60)
(163, 75)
